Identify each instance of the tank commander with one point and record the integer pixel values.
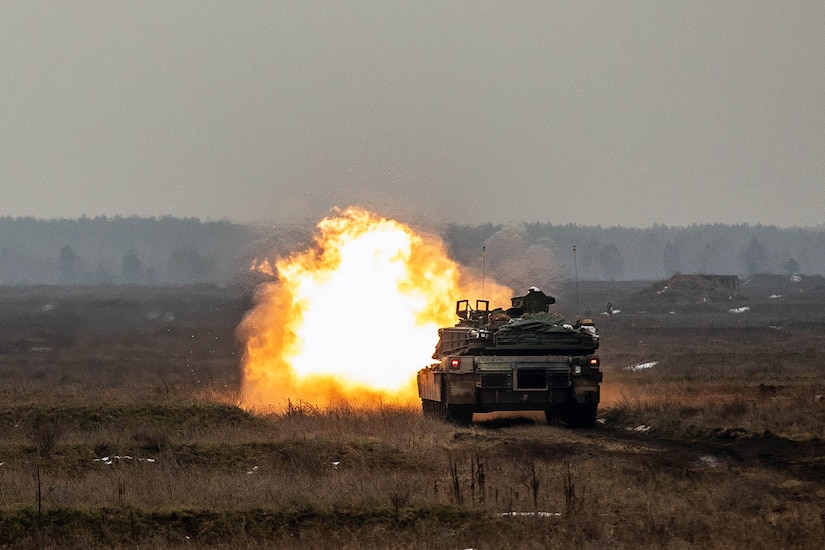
(536, 301)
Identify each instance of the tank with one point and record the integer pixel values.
(523, 358)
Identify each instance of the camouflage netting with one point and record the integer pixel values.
(540, 322)
(543, 331)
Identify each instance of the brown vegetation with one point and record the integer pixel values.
(127, 435)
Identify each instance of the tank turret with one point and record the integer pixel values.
(527, 327)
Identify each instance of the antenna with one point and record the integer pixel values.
(576, 267)
(483, 254)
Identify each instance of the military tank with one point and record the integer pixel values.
(524, 358)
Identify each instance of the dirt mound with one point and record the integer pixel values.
(692, 290)
(766, 284)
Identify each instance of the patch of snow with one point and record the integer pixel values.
(742, 309)
(47, 307)
(530, 514)
(659, 292)
(709, 461)
(641, 428)
(796, 278)
(774, 296)
(642, 366)
(111, 459)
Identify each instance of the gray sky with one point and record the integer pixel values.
(611, 113)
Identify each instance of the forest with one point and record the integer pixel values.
(168, 250)
(547, 253)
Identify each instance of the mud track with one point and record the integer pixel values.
(733, 450)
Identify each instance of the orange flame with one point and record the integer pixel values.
(352, 319)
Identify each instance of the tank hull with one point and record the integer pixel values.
(564, 387)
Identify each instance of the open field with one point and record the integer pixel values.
(119, 428)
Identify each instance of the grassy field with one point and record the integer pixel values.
(119, 428)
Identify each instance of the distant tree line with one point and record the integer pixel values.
(122, 250)
(134, 250)
(618, 253)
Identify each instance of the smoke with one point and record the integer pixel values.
(512, 260)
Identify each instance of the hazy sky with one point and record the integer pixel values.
(612, 113)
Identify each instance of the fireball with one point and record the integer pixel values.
(353, 318)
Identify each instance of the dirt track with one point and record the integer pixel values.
(724, 449)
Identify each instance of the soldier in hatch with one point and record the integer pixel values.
(536, 301)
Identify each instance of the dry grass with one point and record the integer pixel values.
(757, 379)
(186, 467)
